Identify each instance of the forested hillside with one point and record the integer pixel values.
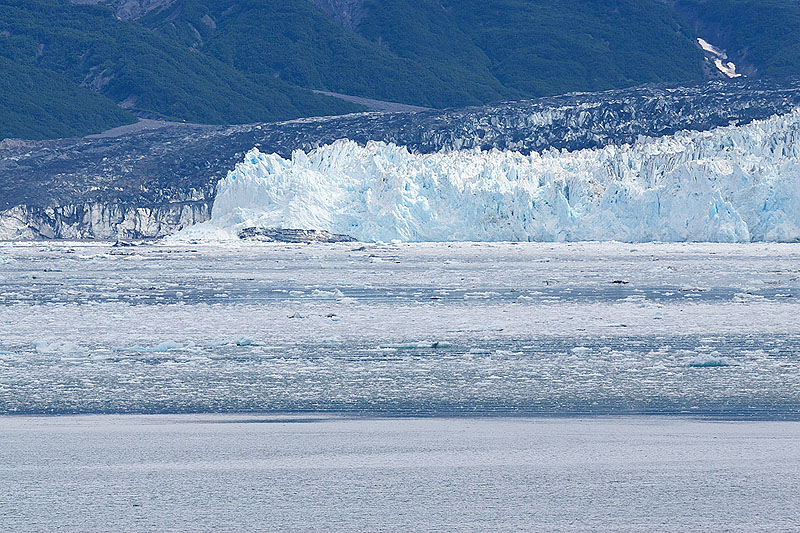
(75, 67)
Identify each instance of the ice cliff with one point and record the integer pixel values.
(730, 184)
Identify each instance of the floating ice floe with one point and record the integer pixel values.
(709, 362)
(161, 347)
(56, 347)
(327, 295)
(730, 184)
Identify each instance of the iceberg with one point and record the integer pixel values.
(729, 184)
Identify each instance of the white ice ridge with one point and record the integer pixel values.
(731, 184)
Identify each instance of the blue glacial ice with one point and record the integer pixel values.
(731, 184)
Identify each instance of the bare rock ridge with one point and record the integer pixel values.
(152, 182)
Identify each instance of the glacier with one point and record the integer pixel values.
(729, 184)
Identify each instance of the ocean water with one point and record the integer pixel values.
(413, 387)
(402, 330)
(311, 473)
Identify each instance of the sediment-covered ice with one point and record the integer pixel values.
(730, 184)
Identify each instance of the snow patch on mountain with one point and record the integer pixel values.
(729, 68)
(719, 57)
(708, 47)
(731, 184)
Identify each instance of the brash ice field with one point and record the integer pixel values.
(397, 330)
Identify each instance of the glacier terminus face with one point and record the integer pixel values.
(730, 184)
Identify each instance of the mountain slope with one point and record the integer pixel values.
(441, 54)
(544, 47)
(72, 67)
(38, 104)
(300, 44)
(136, 68)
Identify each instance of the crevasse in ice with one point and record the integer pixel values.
(729, 184)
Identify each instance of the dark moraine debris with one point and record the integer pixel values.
(292, 235)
